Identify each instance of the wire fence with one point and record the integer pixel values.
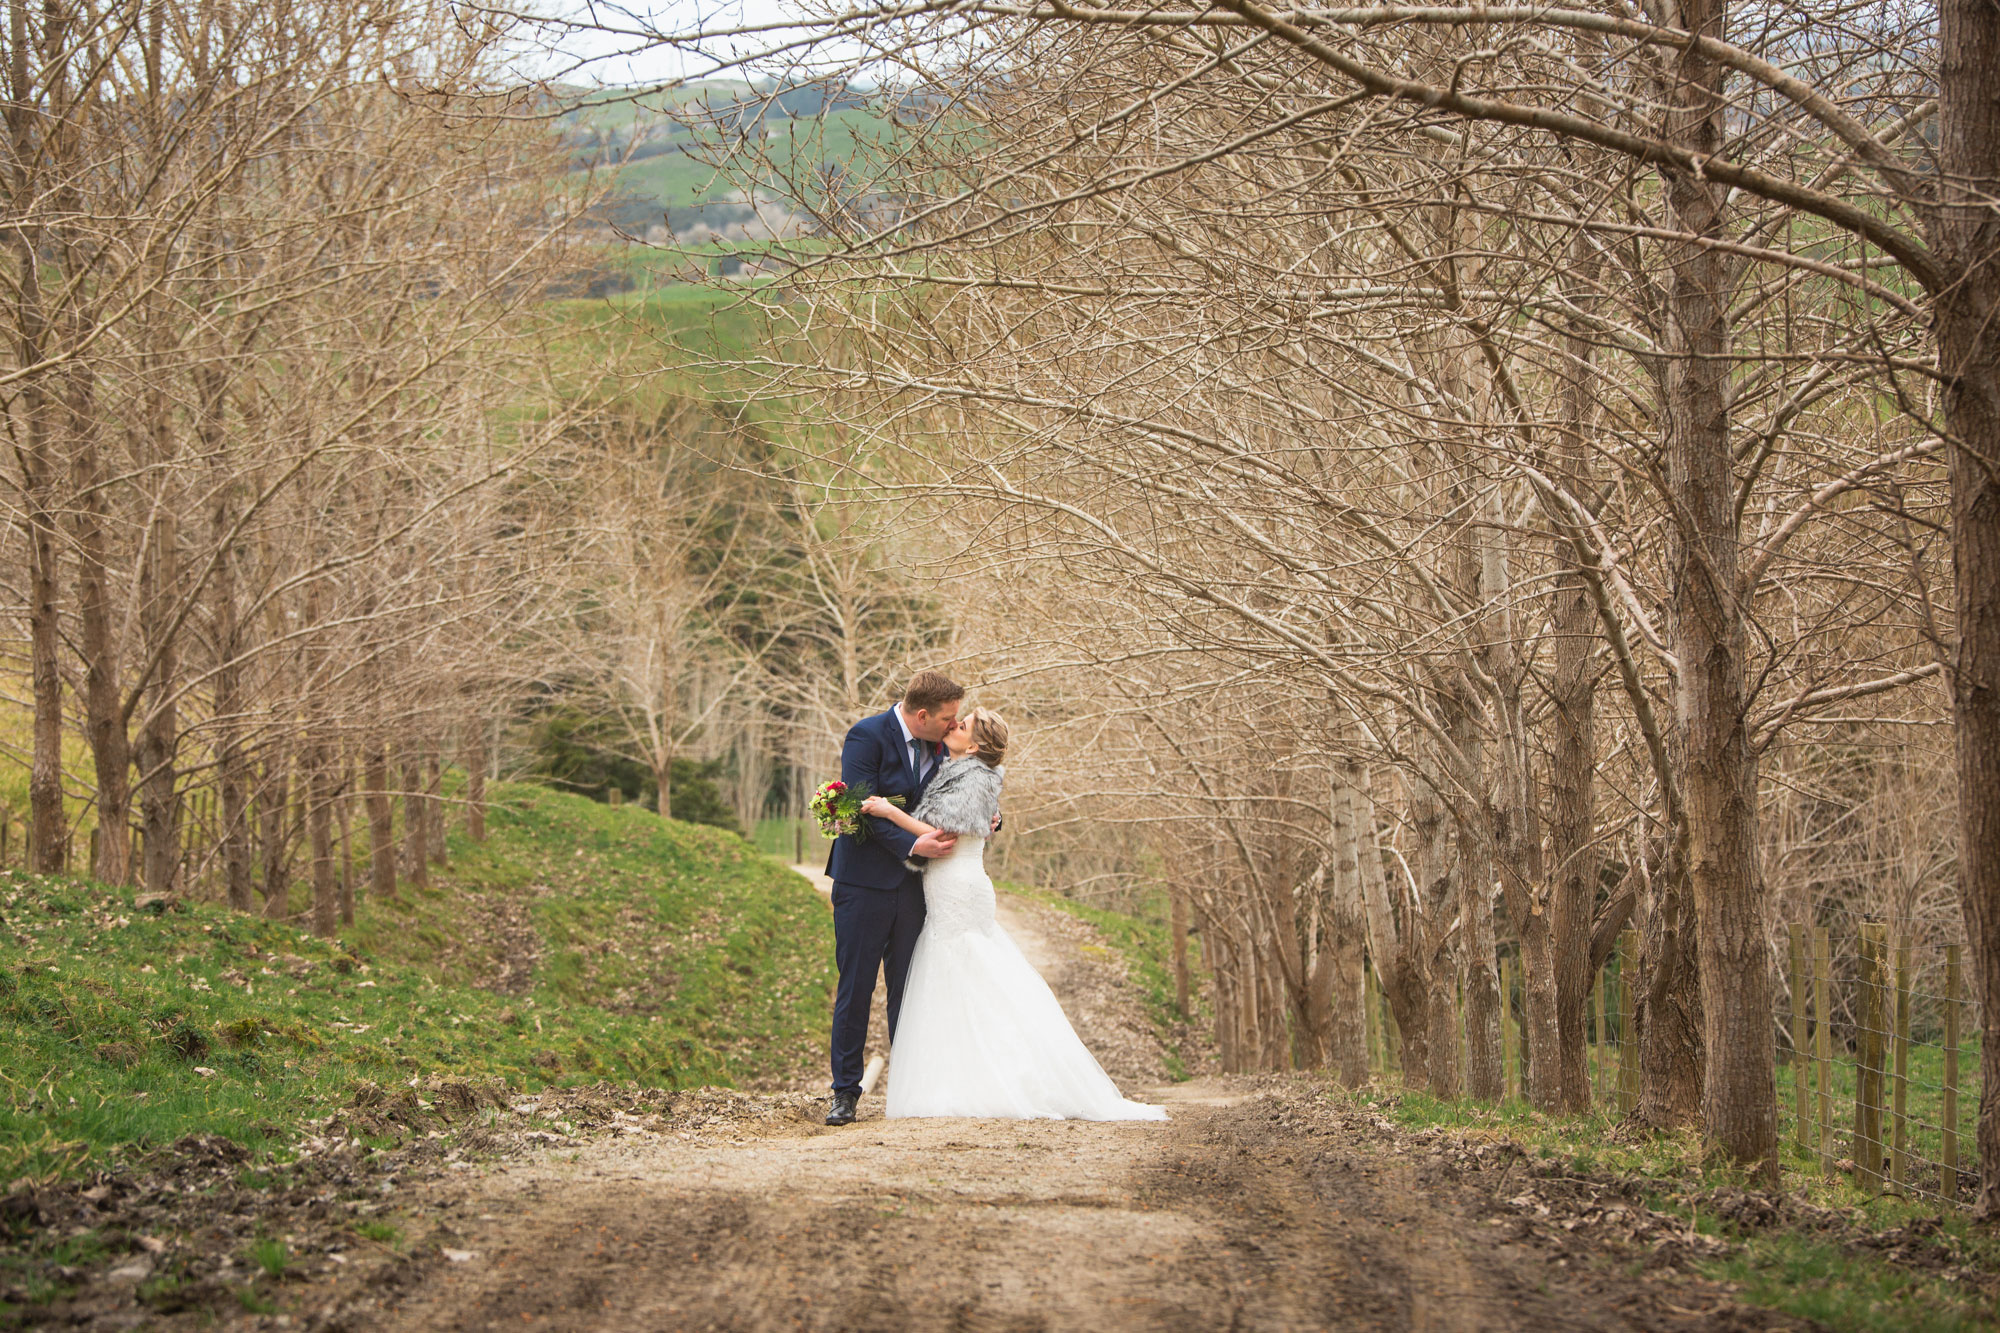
(1877, 1076)
(1879, 1060)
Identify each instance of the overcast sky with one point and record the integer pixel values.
(614, 54)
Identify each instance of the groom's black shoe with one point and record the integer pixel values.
(842, 1110)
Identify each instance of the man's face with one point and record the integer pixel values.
(926, 725)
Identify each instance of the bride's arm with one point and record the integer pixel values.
(881, 809)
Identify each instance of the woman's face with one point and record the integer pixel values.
(958, 741)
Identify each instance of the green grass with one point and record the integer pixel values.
(669, 955)
(1923, 1104)
(774, 837)
(852, 136)
(379, 1231)
(1799, 1270)
(254, 1301)
(269, 1253)
(1830, 1282)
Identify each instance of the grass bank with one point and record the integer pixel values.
(579, 942)
(1822, 1250)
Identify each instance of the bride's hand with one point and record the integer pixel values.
(876, 806)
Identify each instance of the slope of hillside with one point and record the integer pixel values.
(580, 942)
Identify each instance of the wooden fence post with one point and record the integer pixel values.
(1868, 1058)
(1801, 1043)
(1823, 1041)
(1510, 1088)
(1458, 1030)
(1628, 1027)
(1899, 1155)
(1521, 1071)
(1602, 1064)
(1948, 1177)
(1371, 1017)
(1392, 1040)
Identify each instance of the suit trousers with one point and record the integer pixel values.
(872, 929)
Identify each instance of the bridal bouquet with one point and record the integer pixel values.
(837, 809)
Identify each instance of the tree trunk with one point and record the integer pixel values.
(103, 696)
(233, 776)
(159, 733)
(1671, 1068)
(1479, 952)
(274, 799)
(1458, 704)
(381, 824)
(1711, 735)
(46, 824)
(416, 824)
(1573, 860)
(1436, 885)
(319, 827)
(26, 124)
(232, 765)
(1347, 929)
(343, 806)
(1347, 996)
(1178, 928)
(475, 779)
(434, 805)
(1391, 932)
(1306, 970)
(1967, 229)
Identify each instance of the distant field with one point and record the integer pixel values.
(842, 139)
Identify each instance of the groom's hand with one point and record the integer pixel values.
(935, 844)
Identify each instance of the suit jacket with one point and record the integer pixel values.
(875, 760)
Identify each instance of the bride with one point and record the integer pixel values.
(981, 1033)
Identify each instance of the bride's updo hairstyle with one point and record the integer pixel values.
(989, 732)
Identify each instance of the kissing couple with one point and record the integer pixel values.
(974, 1029)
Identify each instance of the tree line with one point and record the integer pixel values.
(1441, 474)
(318, 489)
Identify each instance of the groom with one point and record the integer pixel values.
(878, 903)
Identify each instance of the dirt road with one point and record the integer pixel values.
(1261, 1205)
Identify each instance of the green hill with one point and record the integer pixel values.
(654, 155)
(579, 942)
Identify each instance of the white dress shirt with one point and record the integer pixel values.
(925, 760)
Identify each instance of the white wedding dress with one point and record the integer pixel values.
(980, 1033)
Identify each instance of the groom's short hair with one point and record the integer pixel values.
(930, 690)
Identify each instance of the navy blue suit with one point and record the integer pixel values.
(878, 902)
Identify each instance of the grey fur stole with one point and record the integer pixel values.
(962, 799)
